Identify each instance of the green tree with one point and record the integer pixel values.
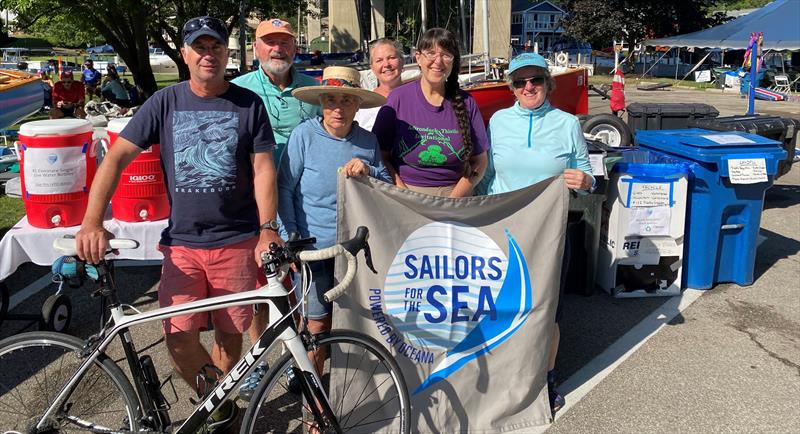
(601, 21)
(130, 25)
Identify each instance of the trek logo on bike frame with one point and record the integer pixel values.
(233, 377)
(451, 295)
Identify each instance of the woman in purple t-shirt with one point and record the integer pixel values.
(431, 133)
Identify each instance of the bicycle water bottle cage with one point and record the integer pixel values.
(73, 269)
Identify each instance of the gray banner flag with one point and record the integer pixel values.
(464, 298)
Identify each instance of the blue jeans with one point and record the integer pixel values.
(322, 275)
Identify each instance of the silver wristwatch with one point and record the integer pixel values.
(272, 225)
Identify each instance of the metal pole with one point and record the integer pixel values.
(751, 103)
(424, 9)
(486, 34)
(677, 62)
(242, 38)
(463, 26)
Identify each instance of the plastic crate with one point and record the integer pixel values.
(783, 130)
(667, 116)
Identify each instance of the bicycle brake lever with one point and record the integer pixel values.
(368, 257)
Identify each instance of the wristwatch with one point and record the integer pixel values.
(272, 225)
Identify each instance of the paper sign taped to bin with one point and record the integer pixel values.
(649, 194)
(725, 139)
(747, 170)
(653, 221)
(54, 170)
(597, 161)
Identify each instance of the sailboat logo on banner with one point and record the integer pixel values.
(451, 290)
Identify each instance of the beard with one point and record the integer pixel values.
(276, 66)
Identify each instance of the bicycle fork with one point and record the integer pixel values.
(310, 383)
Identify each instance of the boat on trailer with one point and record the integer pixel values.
(21, 95)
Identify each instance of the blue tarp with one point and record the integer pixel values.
(778, 20)
(106, 48)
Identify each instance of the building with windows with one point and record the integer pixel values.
(537, 22)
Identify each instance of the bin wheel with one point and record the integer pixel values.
(56, 313)
(609, 129)
(3, 302)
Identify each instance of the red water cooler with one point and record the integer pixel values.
(141, 194)
(58, 160)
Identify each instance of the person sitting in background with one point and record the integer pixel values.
(316, 58)
(47, 88)
(68, 97)
(114, 91)
(91, 78)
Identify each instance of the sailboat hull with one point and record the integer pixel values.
(21, 95)
(570, 95)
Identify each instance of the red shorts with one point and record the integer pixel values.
(190, 274)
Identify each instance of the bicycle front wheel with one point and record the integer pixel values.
(363, 382)
(33, 369)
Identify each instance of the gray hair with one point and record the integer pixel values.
(549, 82)
(398, 48)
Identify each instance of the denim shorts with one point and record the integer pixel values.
(322, 276)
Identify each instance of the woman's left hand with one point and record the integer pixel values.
(577, 179)
(355, 168)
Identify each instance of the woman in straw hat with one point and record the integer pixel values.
(431, 132)
(316, 150)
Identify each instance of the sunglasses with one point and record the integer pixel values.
(196, 24)
(536, 80)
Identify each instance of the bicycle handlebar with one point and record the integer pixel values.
(331, 252)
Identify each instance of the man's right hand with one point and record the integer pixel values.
(91, 242)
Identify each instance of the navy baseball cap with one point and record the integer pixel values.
(204, 26)
(526, 59)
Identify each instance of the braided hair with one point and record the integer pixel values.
(447, 41)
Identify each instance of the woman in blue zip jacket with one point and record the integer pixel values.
(532, 141)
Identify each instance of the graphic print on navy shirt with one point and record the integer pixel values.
(205, 145)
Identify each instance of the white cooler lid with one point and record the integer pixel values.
(116, 125)
(55, 127)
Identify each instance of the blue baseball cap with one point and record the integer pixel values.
(526, 59)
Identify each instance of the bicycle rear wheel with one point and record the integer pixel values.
(33, 369)
(366, 389)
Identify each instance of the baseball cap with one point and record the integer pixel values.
(526, 59)
(88, 62)
(204, 26)
(67, 73)
(272, 26)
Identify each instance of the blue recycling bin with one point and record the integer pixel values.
(730, 173)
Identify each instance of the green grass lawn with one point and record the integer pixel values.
(11, 210)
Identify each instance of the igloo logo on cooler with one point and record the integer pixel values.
(141, 178)
(451, 289)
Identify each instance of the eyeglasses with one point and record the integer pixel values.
(431, 56)
(536, 80)
(196, 24)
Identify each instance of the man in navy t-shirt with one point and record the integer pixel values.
(216, 154)
(91, 78)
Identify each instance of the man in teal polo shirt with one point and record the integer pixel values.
(274, 80)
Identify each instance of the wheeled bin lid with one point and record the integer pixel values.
(706, 146)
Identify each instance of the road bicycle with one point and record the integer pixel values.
(52, 382)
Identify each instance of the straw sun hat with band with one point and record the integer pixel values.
(339, 80)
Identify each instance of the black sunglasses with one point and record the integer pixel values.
(535, 80)
(198, 23)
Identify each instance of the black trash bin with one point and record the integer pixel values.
(583, 224)
(667, 116)
(777, 128)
